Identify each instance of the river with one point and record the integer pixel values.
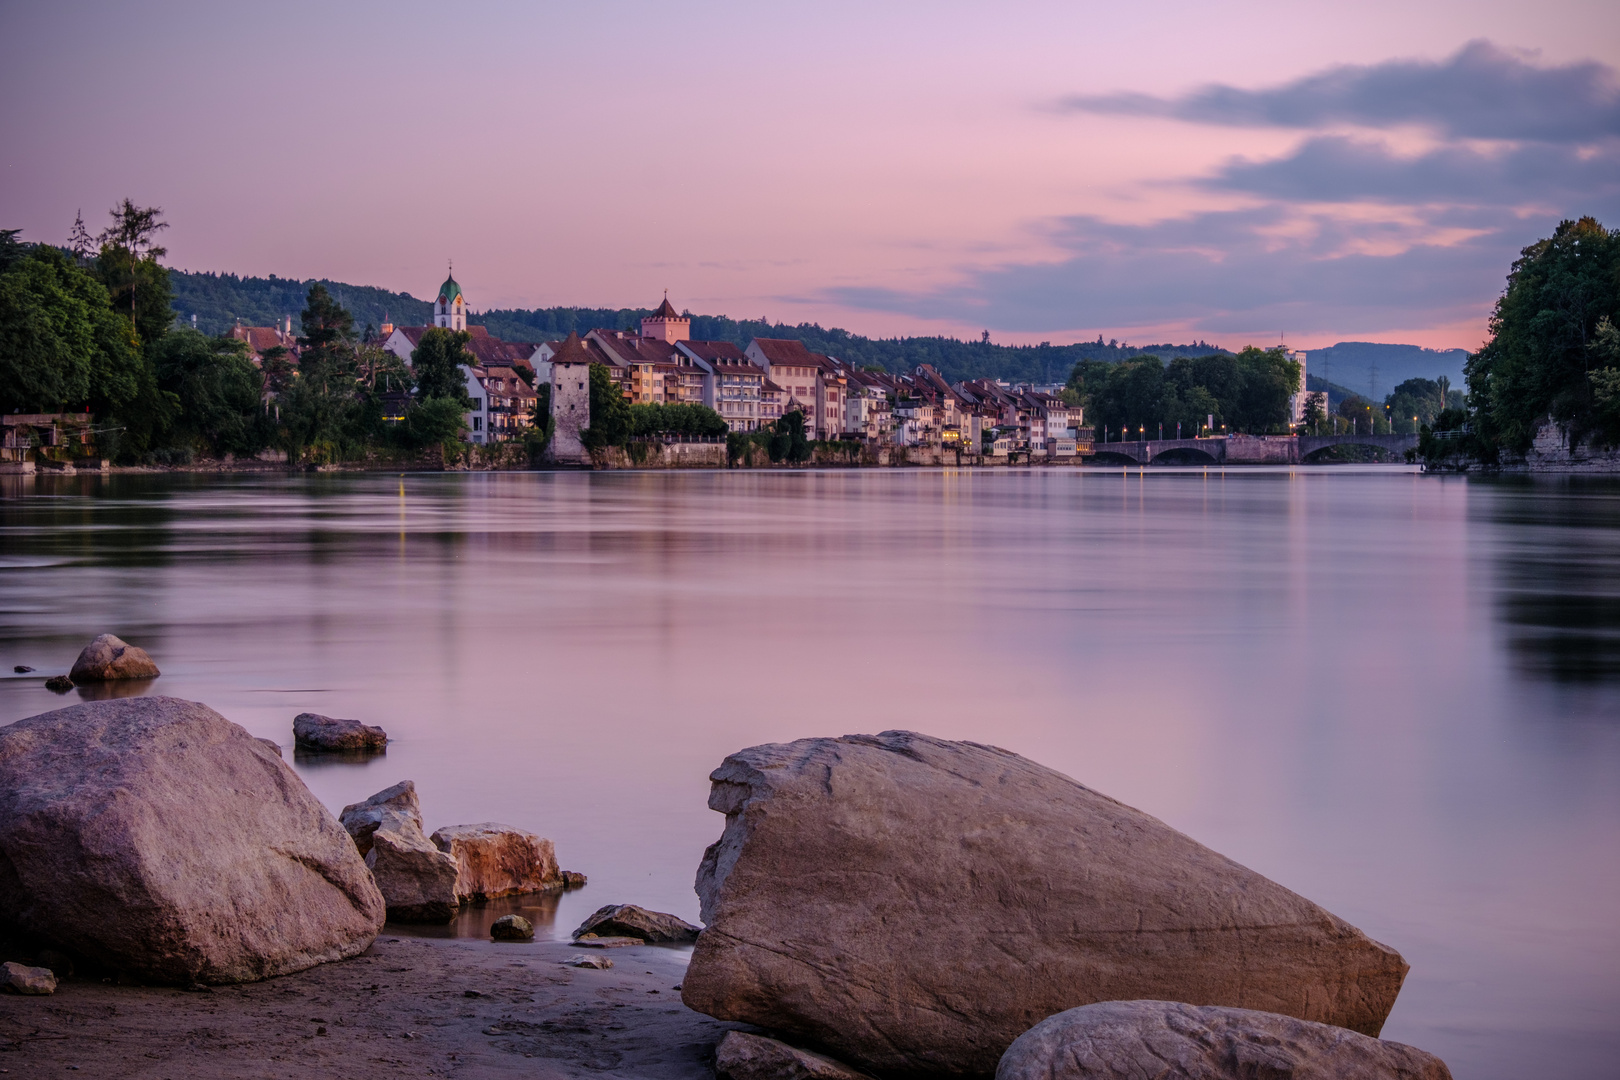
(1396, 694)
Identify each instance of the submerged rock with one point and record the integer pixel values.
(741, 1056)
(573, 879)
(154, 837)
(1126, 1040)
(316, 732)
(512, 928)
(59, 684)
(497, 860)
(913, 905)
(628, 920)
(108, 658)
(600, 963)
(21, 979)
(22, 669)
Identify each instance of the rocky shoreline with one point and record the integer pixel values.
(893, 905)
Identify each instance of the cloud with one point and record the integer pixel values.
(1482, 92)
(1226, 272)
(1333, 168)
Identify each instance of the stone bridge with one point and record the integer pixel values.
(1243, 449)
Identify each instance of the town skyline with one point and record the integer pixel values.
(1328, 176)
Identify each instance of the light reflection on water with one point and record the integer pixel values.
(1394, 693)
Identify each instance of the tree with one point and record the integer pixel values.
(81, 244)
(128, 264)
(437, 364)
(1541, 356)
(611, 422)
(789, 442)
(217, 389)
(61, 344)
(278, 367)
(326, 354)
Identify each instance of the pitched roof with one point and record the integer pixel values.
(485, 347)
(666, 310)
(572, 351)
(785, 351)
(716, 352)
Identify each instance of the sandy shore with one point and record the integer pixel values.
(408, 1007)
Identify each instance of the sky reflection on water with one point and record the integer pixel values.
(1393, 693)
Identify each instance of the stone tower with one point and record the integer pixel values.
(450, 309)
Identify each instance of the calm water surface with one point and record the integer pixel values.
(1396, 694)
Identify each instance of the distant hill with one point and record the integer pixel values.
(220, 300)
(1372, 369)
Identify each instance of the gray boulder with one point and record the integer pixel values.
(361, 819)
(741, 1056)
(512, 928)
(109, 658)
(628, 920)
(155, 837)
(912, 905)
(495, 860)
(312, 731)
(1128, 1040)
(22, 979)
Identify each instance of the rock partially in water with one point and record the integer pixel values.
(22, 669)
(1127, 1040)
(316, 732)
(600, 963)
(913, 905)
(497, 860)
(512, 928)
(361, 819)
(59, 684)
(741, 1056)
(628, 920)
(21, 979)
(573, 879)
(154, 837)
(109, 658)
(418, 881)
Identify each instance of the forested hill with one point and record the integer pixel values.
(219, 300)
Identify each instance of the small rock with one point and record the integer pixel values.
(22, 669)
(471, 993)
(21, 979)
(628, 920)
(592, 941)
(61, 684)
(600, 963)
(321, 1030)
(512, 928)
(273, 745)
(1123, 1040)
(741, 1056)
(313, 731)
(573, 879)
(109, 658)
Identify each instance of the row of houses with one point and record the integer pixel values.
(750, 387)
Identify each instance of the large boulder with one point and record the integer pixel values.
(312, 731)
(628, 920)
(362, 819)
(1127, 1040)
(22, 979)
(418, 881)
(913, 905)
(108, 658)
(741, 1056)
(497, 860)
(153, 836)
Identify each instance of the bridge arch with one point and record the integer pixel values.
(1185, 455)
(1104, 456)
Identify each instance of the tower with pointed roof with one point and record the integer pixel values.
(450, 309)
(666, 324)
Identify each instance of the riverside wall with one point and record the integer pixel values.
(1551, 452)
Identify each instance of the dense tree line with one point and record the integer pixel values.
(1243, 392)
(90, 328)
(615, 421)
(1554, 349)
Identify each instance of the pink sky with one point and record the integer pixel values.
(889, 168)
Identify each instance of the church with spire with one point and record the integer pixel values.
(450, 309)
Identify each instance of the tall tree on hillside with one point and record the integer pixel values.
(80, 243)
(1540, 359)
(128, 266)
(437, 363)
(326, 354)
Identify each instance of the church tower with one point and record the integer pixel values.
(666, 324)
(450, 309)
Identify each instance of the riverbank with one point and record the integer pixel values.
(408, 1006)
